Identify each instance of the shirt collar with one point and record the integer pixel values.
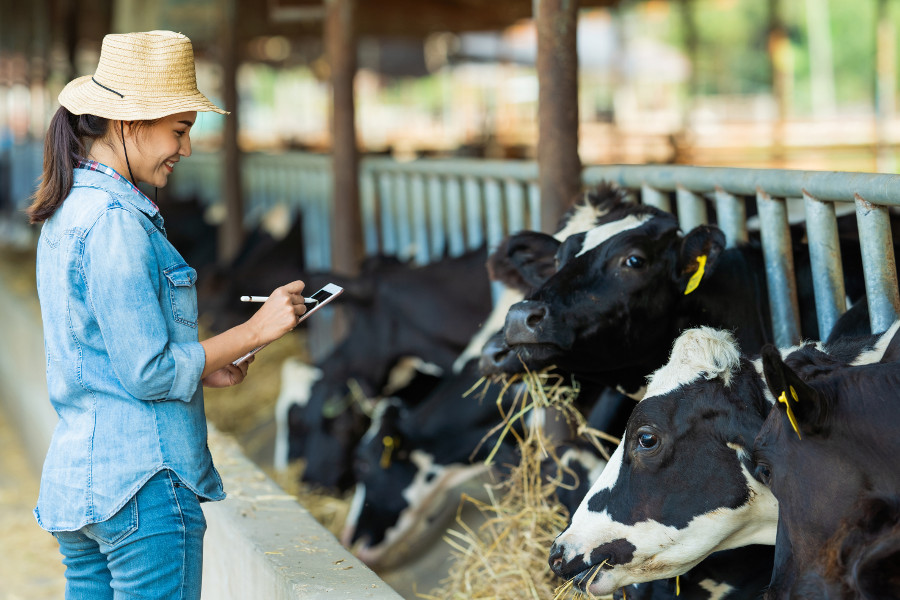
(93, 165)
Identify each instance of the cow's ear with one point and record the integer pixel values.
(524, 261)
(700, 249)
(805, 411)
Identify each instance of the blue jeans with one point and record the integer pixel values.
(151, 549)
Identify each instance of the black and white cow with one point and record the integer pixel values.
(680, 486)
(439, 443)
(621, 293)
(409, 461)
(396, 311)
(830, 441)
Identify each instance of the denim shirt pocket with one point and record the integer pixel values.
(182, 293)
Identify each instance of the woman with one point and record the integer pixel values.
(128, 464)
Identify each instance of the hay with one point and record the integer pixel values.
(506, 556)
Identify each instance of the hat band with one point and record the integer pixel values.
(106, 88)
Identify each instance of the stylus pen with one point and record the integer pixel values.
(312, 301)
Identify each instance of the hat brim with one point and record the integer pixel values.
(84, 96)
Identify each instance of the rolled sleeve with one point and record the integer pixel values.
(190, 358)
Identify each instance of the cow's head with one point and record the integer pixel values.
(613, 304)
(824, 446)
(409, 462)
(679, 486)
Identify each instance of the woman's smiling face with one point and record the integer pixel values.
(155, 150)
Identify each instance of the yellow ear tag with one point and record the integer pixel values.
(697, 276)
(389, 444)
(790, 413)
(677, 582)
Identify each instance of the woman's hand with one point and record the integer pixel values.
(277, 316)
(279, 313)
(228, 375)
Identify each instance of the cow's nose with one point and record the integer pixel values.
(494, 355)
(556, 559)
(524, 322)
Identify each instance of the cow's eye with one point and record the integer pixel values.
(648, 441)
(635, 262)
(763, 473)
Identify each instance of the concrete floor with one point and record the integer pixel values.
(30, 564)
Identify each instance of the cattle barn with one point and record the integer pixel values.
(427, 209)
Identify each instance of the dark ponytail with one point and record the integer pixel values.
(63, 148)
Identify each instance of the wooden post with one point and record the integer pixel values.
(340, 45)
(231, 232)
(781, 61)
(559, 166)
(885, 85)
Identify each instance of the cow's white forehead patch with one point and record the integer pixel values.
(702, 352)
(600, 234)
(583, 218)
(875, 354)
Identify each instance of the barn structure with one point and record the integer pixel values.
(425, 209)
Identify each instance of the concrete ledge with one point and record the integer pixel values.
(260, 542)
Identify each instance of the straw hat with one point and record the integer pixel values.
(140, 76)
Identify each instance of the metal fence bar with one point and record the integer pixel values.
(388, 229)
(776, 240)
(731, 217)
(878, 263)
(534, 206)
(654, 197)
(401, 215)
(419, 219)
(436, 218)
(493, 213)
(456, 199)
(369, 212)
(832, 186)
(691, 209)
(456, 236)
(825, 258)
(474, 227)
(515, 205)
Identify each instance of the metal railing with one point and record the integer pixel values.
(426, 209)
(820, 192)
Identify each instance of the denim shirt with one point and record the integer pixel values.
(119, 311)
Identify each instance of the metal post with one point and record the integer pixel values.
(691, 209)
(825, 258)
(776, 240)
(653, 197)
(732, 217)
(878, 263)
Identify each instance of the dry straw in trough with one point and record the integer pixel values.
(505, 557)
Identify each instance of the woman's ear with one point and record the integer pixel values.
(805, 410)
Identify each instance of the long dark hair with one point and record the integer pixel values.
(63, 148)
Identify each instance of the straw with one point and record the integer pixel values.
(506, 556)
